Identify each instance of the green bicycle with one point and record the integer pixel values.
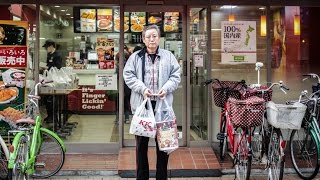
(35, 151)
(305, 143)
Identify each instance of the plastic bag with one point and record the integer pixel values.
(167, 131)
(143, 122)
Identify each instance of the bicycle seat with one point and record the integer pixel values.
(26, 121)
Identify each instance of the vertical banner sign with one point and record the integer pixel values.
(238, 42)
(13, 64)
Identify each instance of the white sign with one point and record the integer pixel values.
(106, 82)
(198, 60)
(238, 42)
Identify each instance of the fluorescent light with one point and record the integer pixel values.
(56, 6)
(42, 38)
(63, 10)
(227, 7)
(68, 14)
(71, 17)
(262, 8)
(215, 29)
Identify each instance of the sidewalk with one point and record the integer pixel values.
(226, 177)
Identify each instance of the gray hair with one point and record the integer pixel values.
(153, 26)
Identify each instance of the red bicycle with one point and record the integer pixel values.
(237, 118)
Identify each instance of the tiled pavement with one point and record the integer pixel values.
(112, 166)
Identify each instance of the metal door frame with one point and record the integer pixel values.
(157, 8)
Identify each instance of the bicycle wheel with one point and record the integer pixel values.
(3, 164)
(256, 144)
(222, 136)
(304, 153)
(275, 157)
(17, 173)
(50, 157)
(243, 158)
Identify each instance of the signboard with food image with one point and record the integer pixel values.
(137, 21)
(13, 64)
(104, 20)
(116, 14)
(171, 22)
(88, 20)
(155, 18)
(105, 53)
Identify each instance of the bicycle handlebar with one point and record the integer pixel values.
(283, 87)
(311, 75)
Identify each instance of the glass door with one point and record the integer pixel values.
(171, 21)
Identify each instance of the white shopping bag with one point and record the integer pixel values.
(143, 121)
(167, 131)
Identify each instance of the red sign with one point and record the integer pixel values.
(13, 57)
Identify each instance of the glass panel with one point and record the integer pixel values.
(87, 43)
(236, 47)
(170, 24)
(199, 59)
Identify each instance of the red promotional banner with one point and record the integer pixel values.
(13, 57)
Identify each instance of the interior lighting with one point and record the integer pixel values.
(231, 17)
(296, 25)
(263, 25)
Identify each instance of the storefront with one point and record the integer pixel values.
(95, 38)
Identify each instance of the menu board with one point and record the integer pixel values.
(88, 20)
(137, 21)
(117, 20)
(104, 20)
(155, 18)
(13, 65)
(105, 53)
(171, 22)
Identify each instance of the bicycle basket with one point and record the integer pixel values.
(246, 113)
(285, 116)
(267, 96)
(222, 90)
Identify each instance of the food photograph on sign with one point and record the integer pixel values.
(117, 21)
(171, 22)
(105, 53)
(155, 18)
(137, 20)
(12, 35)
(88, 20)
(104, 20)
(12, 98)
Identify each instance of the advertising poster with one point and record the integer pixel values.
(117, 20)
(105, 53)
(88, 20)
(155, 18)
(138, 20)
(13, 64)
(238, 42)
(171, 22)
(104, 20)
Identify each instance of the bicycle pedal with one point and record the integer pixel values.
(220, 136)
(40, 165)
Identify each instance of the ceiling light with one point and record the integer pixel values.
(262, 8)
(227, 7)
(63, 10)
(56, 6)
(68, 14)
(71, 17)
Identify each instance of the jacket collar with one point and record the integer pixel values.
(143, 51)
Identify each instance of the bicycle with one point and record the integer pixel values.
(305, 143)
(222, 90)
(4, 151)
(35, 151)
(235, 125)
(281, 116)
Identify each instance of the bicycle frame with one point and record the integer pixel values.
(315, 131)
(4, 147)
(35, 145)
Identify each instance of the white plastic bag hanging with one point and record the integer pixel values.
(143, 122)
(167, 131)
